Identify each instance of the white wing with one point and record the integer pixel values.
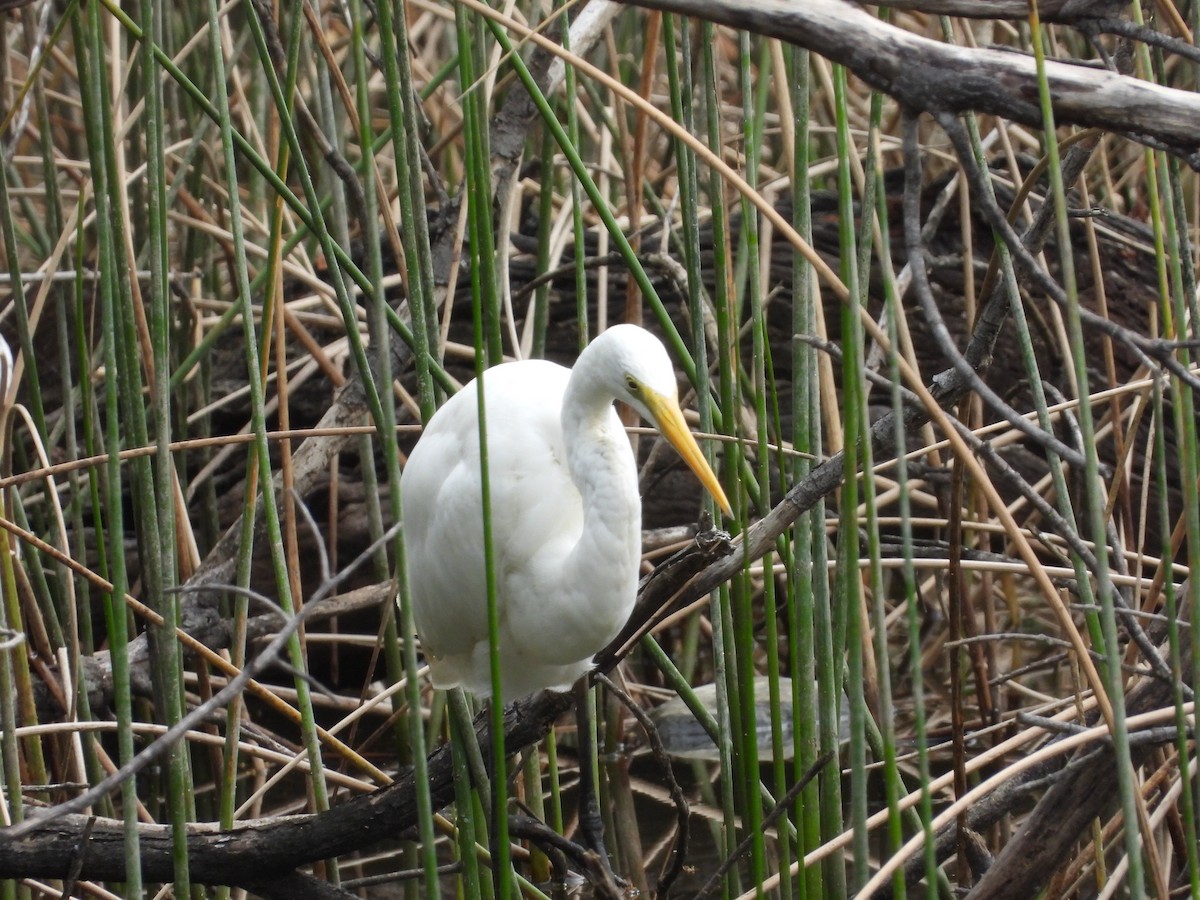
(535, 505)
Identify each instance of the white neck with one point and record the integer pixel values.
(604, 562)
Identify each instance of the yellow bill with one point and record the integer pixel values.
(668, 419)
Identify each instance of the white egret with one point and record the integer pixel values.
(566, 514)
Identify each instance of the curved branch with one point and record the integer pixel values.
(929, 76)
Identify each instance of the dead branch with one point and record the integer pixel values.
(930, 76)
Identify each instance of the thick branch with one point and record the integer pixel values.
(930, 76)
(256, 850)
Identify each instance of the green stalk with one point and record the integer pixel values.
(484, 297)
(154, 482)
(679, 75)
(14, 648)
(575, 187)
(679, 65)
(15, 680)
(400, 665)
(854, 412)
(82, 637)
(261, 447)
(468, 835)
(541, 297)
(819, 804)
(89, 49)
(484, 286)
(73, 514)
(908, 573)
(724, 645)
(893, 786)
(1183, 309)
(404, 119)
(1111, 668)
(265, 282)
(1183, 745)
(743, 608)
(502, 872)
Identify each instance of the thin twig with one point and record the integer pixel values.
(772, 817)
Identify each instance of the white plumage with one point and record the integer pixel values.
(566, 513)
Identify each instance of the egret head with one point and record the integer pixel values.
(639, 372)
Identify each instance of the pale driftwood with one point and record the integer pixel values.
(930, 76)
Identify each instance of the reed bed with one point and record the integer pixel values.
(249, 248)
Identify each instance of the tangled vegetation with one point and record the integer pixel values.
(249, 247)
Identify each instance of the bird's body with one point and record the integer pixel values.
(565, 512)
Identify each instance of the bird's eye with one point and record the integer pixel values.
(632, 384)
